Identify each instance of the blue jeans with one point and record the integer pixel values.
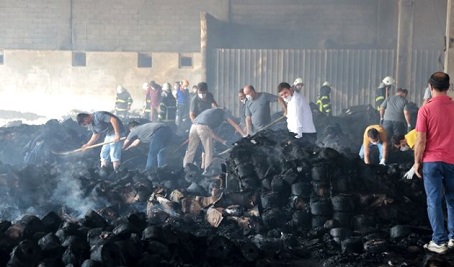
(157, 150)
(380, 150)
(435, 176)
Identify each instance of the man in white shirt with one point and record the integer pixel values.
(299, 114)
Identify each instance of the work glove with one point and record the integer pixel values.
(224, 143)
(409, 175)
(381, 121)
(382, 162)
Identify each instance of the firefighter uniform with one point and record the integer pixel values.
(324, 101)
(123, 102)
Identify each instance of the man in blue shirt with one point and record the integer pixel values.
(103, 122)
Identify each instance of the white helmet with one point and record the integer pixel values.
(388, 80)
(145, 86)
(326, 84)
(166, 87)
(298, 81)
(119, 89)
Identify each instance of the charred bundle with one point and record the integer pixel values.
(271, 200)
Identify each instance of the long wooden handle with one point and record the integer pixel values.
(272, 123)
(265, 127)
(87, 147)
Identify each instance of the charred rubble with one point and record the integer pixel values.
(269, 201)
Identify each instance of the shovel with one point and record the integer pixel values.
(264, 128)
(87, 147)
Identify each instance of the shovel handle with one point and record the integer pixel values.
(101, 144)
(87, 147)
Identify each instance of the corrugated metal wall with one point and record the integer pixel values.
(354, 74)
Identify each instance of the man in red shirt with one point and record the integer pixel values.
(154, 93)
(434, 150)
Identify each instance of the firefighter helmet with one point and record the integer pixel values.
(298, 81)
(388, 80)
(326, 84)
(119, 89)
(145, 86)
(166, 87)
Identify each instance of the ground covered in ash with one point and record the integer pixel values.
(268, 202)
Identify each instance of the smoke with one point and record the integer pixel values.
(69, 194)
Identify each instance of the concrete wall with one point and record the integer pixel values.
(174, 25)
(52, 86)
(105, 25)
(37, 38)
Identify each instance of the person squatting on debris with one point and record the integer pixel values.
(258, 109)
(103, 122)
(123, 102)
(404, 142)
(299, 114)
(156, 134)
(202, 132)
(434, 161)
(323, 100)
(394, 114)
(374, 135)
(382, 92)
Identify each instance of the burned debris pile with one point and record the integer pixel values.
(270, 200)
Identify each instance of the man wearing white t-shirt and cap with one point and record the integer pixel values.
(299, 114)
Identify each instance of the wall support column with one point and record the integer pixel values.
(449, 44)
(405, 42)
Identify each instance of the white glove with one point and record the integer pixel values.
(409, 174)
(382, 162)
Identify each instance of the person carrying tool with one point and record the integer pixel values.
(202, 132)
(103, 122)
(258, 108)
(299, 114)
(156, 134)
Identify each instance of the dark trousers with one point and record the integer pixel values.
(394, 128)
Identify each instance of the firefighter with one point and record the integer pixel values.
(146, 105)
(168, 106)
(382, 92)
(298, 85)
(123, 102)
(324, 101)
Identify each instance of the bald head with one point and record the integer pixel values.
(249, 91)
